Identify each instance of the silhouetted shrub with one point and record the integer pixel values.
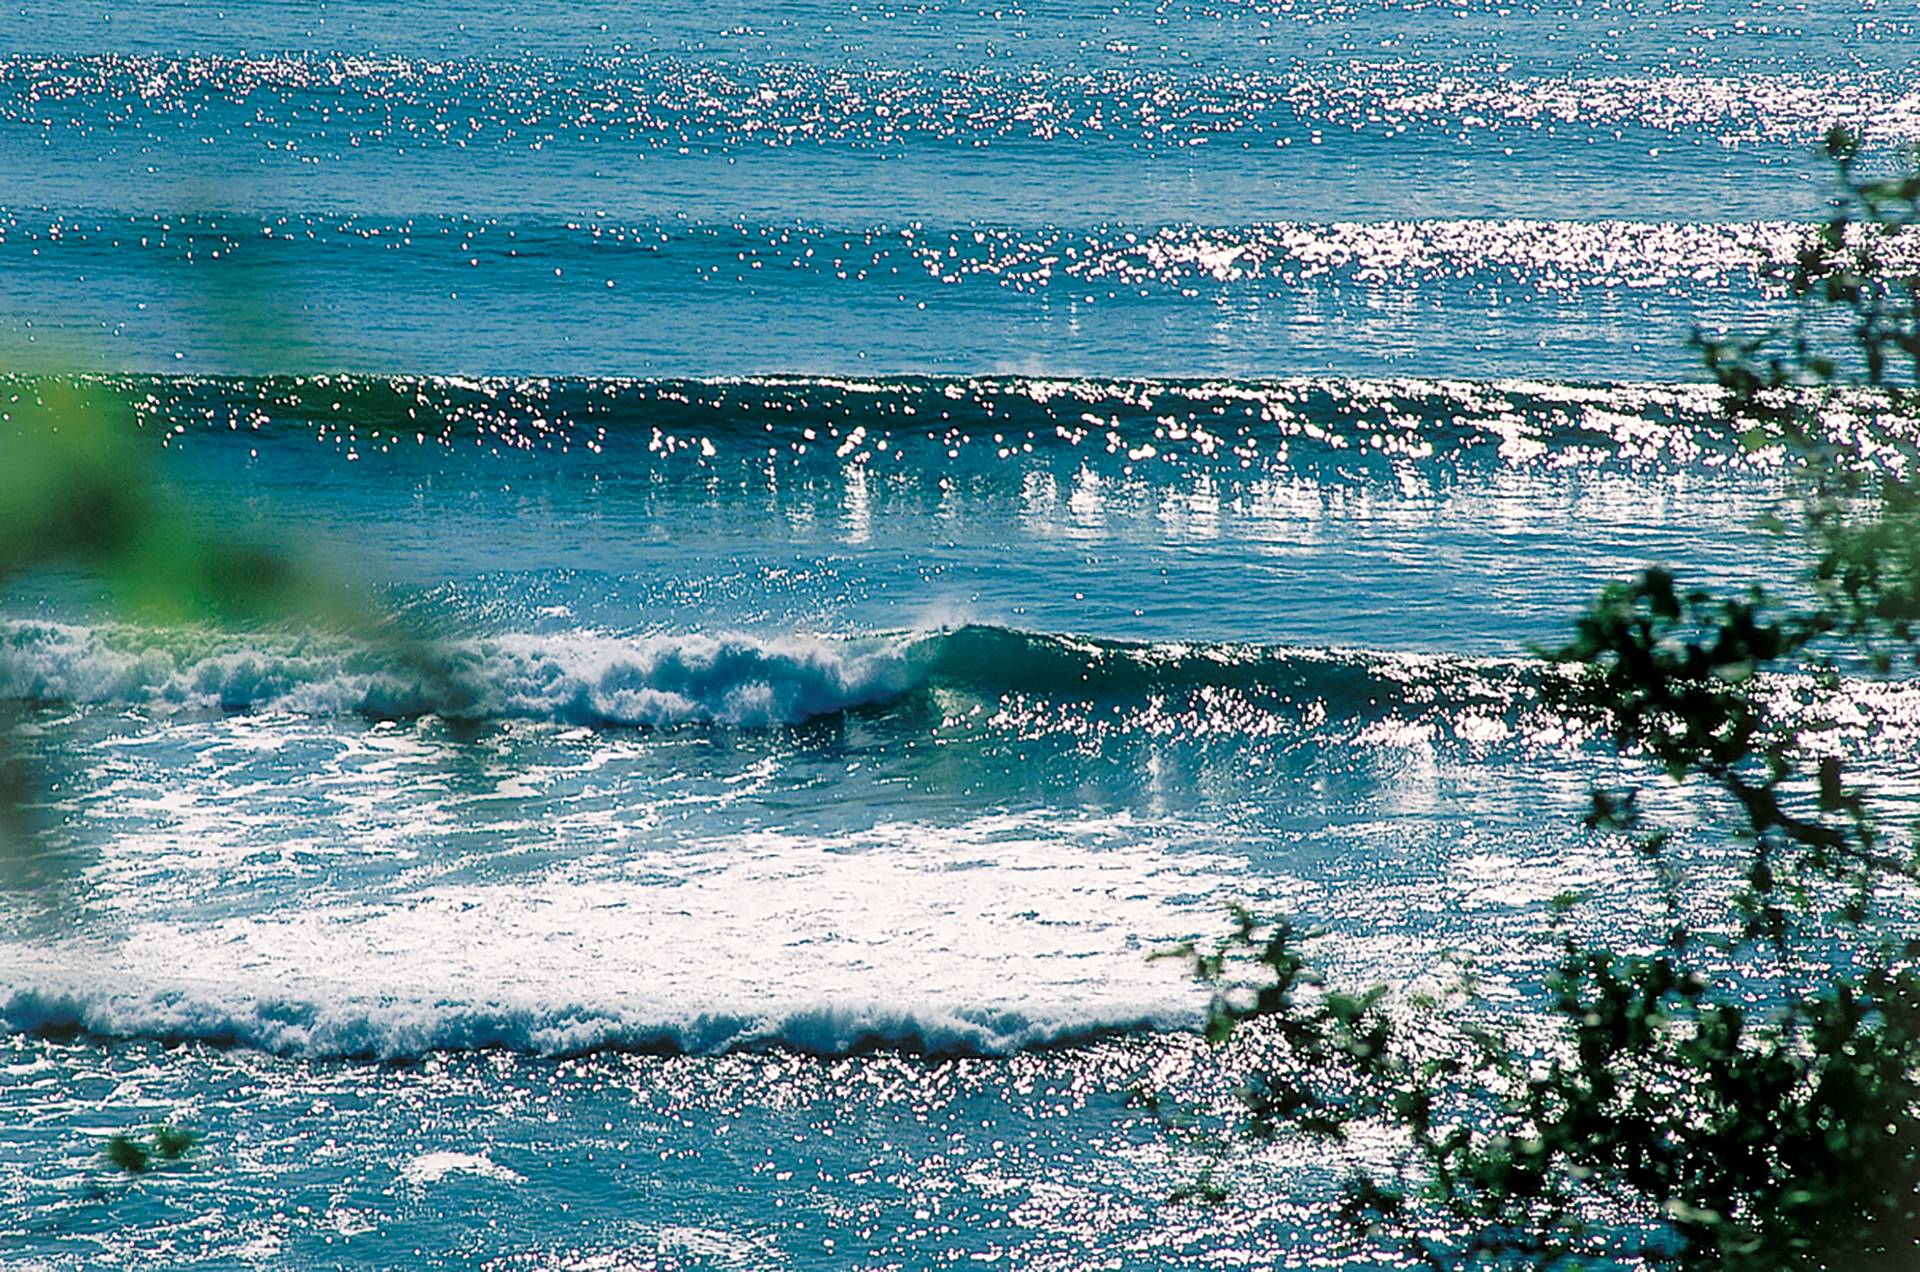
(1745, 1091)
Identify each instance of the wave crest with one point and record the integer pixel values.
(406, 1030)
(576, 677)
(730, 679)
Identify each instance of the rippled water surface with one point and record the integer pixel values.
(1467, 190)
(920, 506)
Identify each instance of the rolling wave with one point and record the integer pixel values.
(406, 1030)
(726, 679)
(336, 105)
(930, 427)
(1004, 680)
(577, 678)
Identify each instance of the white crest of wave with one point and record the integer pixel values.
(431, 1168)
(578, 677)
(993, 935)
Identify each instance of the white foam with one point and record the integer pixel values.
(579, 677)
(431, 1168)
(996, 935)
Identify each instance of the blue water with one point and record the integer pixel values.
(924, 504)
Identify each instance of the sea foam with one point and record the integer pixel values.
(574, 677)
(1000, 933)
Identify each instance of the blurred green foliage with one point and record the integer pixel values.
(169, 1143)
(1743, 1091)
(81, 491)
(80, 488)
(127, 1153)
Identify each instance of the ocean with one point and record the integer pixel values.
(928, 503)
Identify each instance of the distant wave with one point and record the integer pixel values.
(933, 427)
(927, 428)
(663, 681)
(1539, 256)
(654, 102)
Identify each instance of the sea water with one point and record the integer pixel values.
(927, 504)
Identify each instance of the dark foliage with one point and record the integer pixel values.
(170, 1143)
(79, 491)
(128, 1153)
(1743, 1091)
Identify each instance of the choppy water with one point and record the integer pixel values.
(924, 505)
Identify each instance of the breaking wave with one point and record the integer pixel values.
(405, 1030)
(580, 678)
(663, 681)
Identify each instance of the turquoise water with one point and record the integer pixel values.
(926, 505)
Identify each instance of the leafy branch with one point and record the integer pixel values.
(1746, 1093)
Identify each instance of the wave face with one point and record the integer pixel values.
(932, 427)
(1372, 513)
(734, 680)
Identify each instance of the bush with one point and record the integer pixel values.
(1745, 1094)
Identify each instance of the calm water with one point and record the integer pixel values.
(929, 502)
